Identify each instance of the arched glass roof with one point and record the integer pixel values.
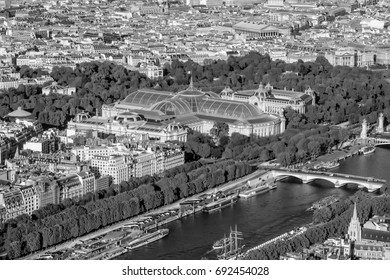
(190, 102)
(229, 108)
(146, 98)
(172, 106)
(191, 91)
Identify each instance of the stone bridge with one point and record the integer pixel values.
(339, 180)
(373, 141)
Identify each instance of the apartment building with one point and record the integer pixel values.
(144, 163)
(70, 187)
(7, 82)
(115, 166)
(41, 145)
(31, 198)
(47, 190)
(173, 158)
(87, 181)
(11, 204)
(151, 71)
(85, 153)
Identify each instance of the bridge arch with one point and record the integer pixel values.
(337, 180)
(319, 180)
(375, 141)
(303, 178)
(382, 144)
(279, 177)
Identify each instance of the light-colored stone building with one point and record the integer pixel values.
(272, 100)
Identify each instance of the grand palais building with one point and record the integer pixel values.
(149, 114)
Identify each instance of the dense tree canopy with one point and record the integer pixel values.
(343, 93)
(295, 145)
(54, 224)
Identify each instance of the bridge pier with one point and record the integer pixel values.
(337, 184)
(370, 188)
(305, 179)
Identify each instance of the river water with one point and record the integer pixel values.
(260, 218)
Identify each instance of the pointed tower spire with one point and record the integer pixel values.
(191, 86)
(16, 155)
(354, 216)
(354, 229)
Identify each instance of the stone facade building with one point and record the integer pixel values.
(163, 116)
(271, 100)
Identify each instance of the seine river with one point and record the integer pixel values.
(260, 218)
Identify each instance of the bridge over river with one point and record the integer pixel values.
(339, 180)
(375, 141)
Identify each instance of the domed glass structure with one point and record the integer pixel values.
(172, 107)
(191, 91)
(192, 96)
(193, 100)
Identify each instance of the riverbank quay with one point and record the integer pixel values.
(69, 244)
(283, 237)
(337, 155)
(333, 156)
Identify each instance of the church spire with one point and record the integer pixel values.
(16, 155)
(355, 229)
(354, 216)
(191, 86)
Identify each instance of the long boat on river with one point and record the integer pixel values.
(368, 150)
(248, 191)
(221, 202)
(147, 238)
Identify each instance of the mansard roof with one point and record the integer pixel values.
(378, 235)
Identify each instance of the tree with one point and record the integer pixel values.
(15, 250)
(204, 150)
(286, 158)
(314, 148)
(34, 241)
(219, 130)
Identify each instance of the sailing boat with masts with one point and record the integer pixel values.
(232, 250)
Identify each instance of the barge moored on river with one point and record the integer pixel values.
(147, 238)
(220, 202)
(368, 150)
